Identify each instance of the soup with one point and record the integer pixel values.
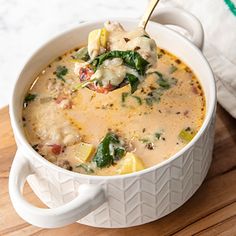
(116, 106)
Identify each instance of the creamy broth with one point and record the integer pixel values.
(153, 123)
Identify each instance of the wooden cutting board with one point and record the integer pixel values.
(211, 211)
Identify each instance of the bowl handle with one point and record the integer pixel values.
(183, 19)
(90, 197)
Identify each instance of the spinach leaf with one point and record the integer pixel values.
(130, 58)
(29, 98)
(61, 71)
(133, 81)
(163, 83)
(82, 54)
(154, 96)
(104, 156)
(119, 152)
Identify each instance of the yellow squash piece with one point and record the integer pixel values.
(187, 135)
(103, 37)
(76, 60)
(84, 151)
(96, 38)
(130, 163)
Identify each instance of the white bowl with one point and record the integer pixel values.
(113, 201)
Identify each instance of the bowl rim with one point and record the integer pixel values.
(24, 144)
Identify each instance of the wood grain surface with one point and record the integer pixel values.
(211, 211)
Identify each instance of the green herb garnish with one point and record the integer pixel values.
(161, 81)
(160, 75)
(138, 99)
(144, 140)
(154, 96)
(149, 101)
(88, 169)
(172, 69)
(82, 54)
(165, 82)
(158, 135)
(61, 71)
(29, 98)
(124, 96)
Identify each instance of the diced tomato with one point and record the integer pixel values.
(67, 104)
(85, 73)
(60, 98)
(56, 149)
(194, 90)
(186, 113)
(105, 90)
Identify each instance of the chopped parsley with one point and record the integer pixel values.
(149, 101)
(87, 169)
(158, 135)
(138, 99)
(144, 140)
(29, 98)
(164, 81)
(172, 69)
(154, 96)
(61, 71)
(124, 96)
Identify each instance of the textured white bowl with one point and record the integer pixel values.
(113, 201)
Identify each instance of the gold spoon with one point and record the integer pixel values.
(147, 14)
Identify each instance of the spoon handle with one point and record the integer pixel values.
(151, 6)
